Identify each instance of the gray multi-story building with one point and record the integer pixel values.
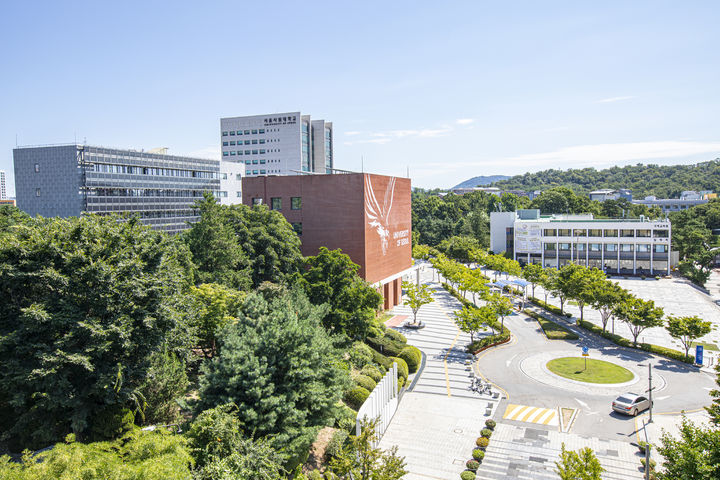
(278, 144)
(68, 180)
(3, 188)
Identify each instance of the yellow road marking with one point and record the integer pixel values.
(524, 413)
(525, 417)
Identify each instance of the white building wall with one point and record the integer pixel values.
(231, 174)
(499, 222)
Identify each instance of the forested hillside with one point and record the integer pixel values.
(663, 181)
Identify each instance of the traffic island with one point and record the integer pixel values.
(589, 370)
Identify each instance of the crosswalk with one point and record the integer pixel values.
(525, 413)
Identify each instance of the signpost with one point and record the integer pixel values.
(699, 354)
(585, 353)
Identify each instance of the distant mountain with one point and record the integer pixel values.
(480, 181)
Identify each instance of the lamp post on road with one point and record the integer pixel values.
(650, 388)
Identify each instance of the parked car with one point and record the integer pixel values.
(630, 404)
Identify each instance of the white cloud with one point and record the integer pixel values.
(598, 155)
(615, 99)
(206, 152)
(352, 133)
(464, 121)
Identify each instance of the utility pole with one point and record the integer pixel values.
(650, 389)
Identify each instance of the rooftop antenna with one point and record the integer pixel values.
(408, 171)
(362, 164)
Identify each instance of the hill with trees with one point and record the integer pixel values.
(663, 181)
(480, 181)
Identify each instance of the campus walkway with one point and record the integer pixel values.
(438, 420)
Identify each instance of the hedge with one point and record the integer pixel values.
(395, 336)
(335, 445)
(412, 357)
(372, 372)
(548, 307)
(647, 347)
(356, 396)
(402, 367)
(552, 330)
(382, 360)
(366, 382)
(345, 417)
(385, 345)
(360, 355)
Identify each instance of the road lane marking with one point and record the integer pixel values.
(525, 413)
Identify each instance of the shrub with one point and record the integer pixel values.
(395, 336)
(356, 396)
(345, 417)
(478, 345)
(552, 330)
(360, 355)
(472, 465)
(412, 357)
(478, 454)
(112, 422)
(482, 442)
(401, 382)
(385, 345)
(467, 475)
(366, 382)
(642, 446)
(486, 432)
(548, 307)
(490, 423)
(653, 463)
(380, 359)
(335, 445)
(402, 367)
(372, 372)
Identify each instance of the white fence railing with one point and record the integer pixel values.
(381, 404)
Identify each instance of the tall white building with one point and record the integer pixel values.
(231, 174)
(3, 191)
(616, 246)
(278, 144)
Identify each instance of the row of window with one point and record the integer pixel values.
(255, 172)
(246, 142)
(232, 153)
(295, 203)
(164, 172)
(609, 247)
(243, 132)
(143, 192)
(624, 233)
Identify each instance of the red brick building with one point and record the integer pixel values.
(367, 216)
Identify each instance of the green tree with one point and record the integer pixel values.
(165, 383)
(693, 456)
(213, 306)
(11, 216)
(580, 465)
(533, 273)
(687, 329)
(268, 240)
(331, 278)
(714, 408)
(85, 302)
(589, 281)
(280, 369)
(605, 296)
(215, 248)
(223, 452)
(459, 248)
(417, 296)
(502, 307)
(638, 314)
(157, 455)
(570, 282)
(470, 320)
(361, 460)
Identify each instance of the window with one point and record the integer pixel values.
(255, 172)
(579, 232)
(550, 232)
(564, 232)
(232, 152)
(580, 247)
(255, 152)
(254, 142)
(643, 233)
(257, 201)
(610, 233)
(658, 248)
(225, 144)
(239, 132)
(225, 134)
(295, 203)
(247, 142)
(262, 130)
(232, 133)
(643, 248)
(594, 247)
(262, 140)
(247, 152)
(594, 233)
(626, 247)
(37, 192)
(627, 233)
(262, 172)
(238, 176)
(262, 162)
(224, 176)
(239, 194)
(254, 132)
(276, 203)
(37, 168)
(247, 132)
(247, 162)
(225, 154)
(610, 247)
(660, 233)
(297, 226)
(549, 246)
(564, 246)
(222, 194)
(254, 162)
(232, 143)
(262, 151)
(239, 152)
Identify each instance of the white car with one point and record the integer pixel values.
(630, 404)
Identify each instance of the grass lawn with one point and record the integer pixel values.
(597, 371)
(553, 331)
(707, 346)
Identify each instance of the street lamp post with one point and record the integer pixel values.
(649, 390)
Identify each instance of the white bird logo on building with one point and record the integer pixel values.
(379, 218)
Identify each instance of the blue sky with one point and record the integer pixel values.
(449, 90)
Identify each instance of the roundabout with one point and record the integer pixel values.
(591, 370)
